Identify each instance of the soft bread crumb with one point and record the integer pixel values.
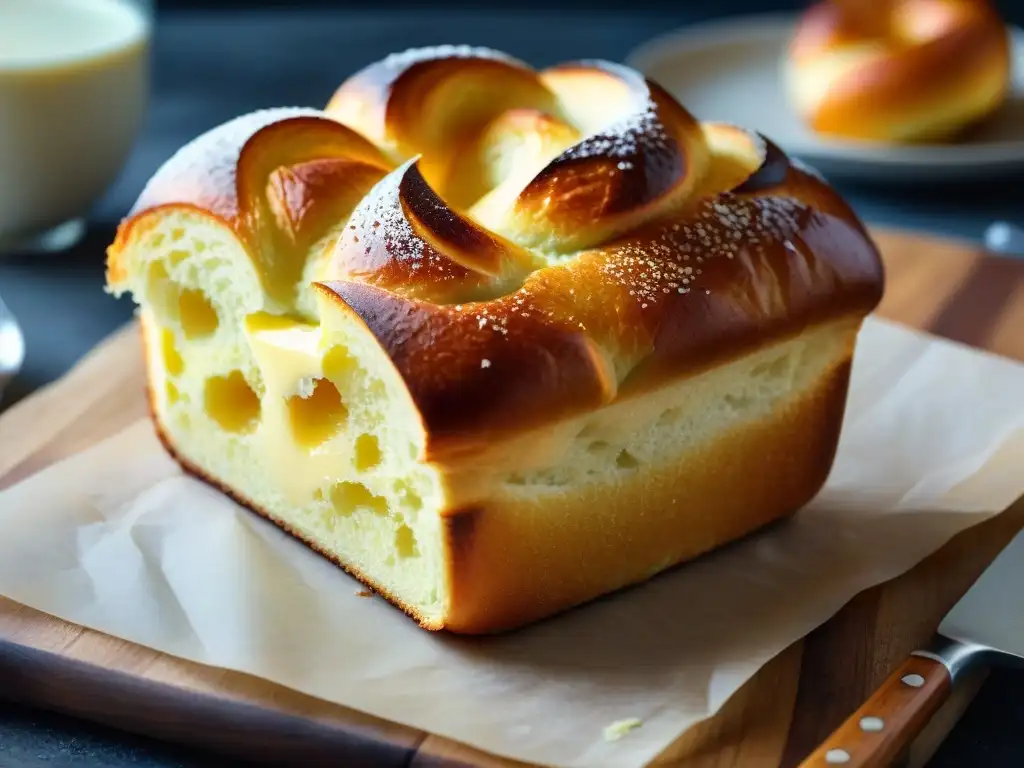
(620, 728)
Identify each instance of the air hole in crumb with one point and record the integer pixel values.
(156, 240)
(172, 393)
(177, 233)
(737, 402)
(597, 446)
(173, 363)
(410, 499)
(231, 402)
(177, 256)
(367, 452)
(190, 308)
(405, 542)
(626, 460)
(515, 479)
(669, 416)
(588, 430)
(773, 369)
(159, 287)
(554, 478)
(198, 246)
(198, 317)
(339, 365)
(348, 497)
(318, 417)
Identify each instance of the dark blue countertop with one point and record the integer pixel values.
(209, 67)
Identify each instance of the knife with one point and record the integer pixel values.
(12, 346)
(986, 627)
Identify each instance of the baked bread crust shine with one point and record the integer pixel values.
(550, 278)
(900, 71)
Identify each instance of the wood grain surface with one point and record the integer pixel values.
(778, 718)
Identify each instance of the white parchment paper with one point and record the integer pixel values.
(119, 540)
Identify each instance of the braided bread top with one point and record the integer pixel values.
(523, 245)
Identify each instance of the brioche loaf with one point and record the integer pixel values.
(497, 341)
(898, 71)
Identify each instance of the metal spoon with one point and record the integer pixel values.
(1003, 237)
(12, 346)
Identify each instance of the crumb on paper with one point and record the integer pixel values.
(364, 593)
(620, 728)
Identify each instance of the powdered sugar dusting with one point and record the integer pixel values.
(755, 138)
(381, 210)
(399, 62)
(722, 227)
(673, 261)
(205, 167)
(641, 129)
(652, 269)
(626, 134)
(496, 322)
(380, 219)
(626, 137)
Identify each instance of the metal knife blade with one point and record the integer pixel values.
(991, 613)
(985, 627)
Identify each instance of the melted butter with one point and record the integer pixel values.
(288, 355)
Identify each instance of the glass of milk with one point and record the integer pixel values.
(74, 77)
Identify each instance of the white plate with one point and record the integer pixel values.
(729, 70)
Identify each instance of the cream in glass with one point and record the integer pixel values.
(73, 83)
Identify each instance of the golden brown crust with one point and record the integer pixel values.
(471, 374)
(403, 238)
(929, 56)
(630, 257)
(659, 155)
(509, 568)
(402, 103)
(538, 353)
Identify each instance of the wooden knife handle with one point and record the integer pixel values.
(874, 735)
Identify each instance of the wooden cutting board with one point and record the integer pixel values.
(776, 719)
